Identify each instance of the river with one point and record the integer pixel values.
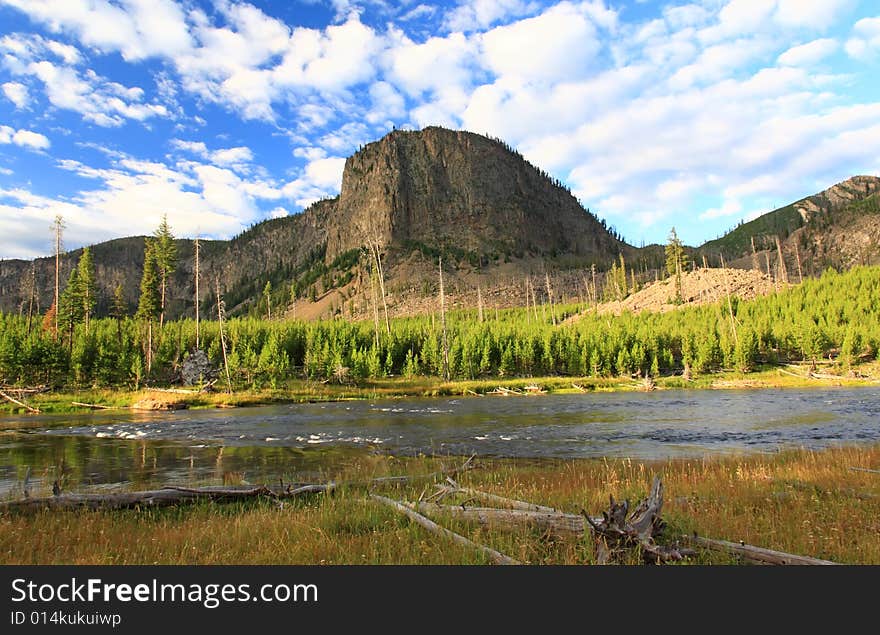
(300, 441)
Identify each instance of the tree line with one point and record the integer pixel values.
(832, 316)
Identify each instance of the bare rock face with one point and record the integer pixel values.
(837, 196)
(442, 188)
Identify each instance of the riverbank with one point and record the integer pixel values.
(813, 503)
(301, 391)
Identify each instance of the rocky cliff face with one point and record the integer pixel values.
(444, 188)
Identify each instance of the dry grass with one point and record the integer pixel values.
(803, 502)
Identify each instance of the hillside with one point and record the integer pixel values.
(500, 225)
(418, 195)
(839, 227)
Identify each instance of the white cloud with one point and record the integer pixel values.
(811, 14)
(476, 15)
(559, 43)
(17, 94)
(321, 178)
(232, 156)
(102, 102)
(809, 54)
(24, 138)
(137, 29)
(865, 42)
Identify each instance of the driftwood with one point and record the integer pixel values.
(157, 498)
(553, 523)
(93, 406)
(496, 556)
(619, 530)
(391, 480)
(754, 554)
(864, 469)
(505, 392)
(454, 488)
(20, 403)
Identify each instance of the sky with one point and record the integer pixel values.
(223, 113)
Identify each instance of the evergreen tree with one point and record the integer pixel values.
(676, 262)
(165, 252)
(88, 289)
(70, 308)
(149, 305)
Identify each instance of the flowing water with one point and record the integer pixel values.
(298, 441)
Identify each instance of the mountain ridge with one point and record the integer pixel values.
(468, 198)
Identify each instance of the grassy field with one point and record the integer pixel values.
(298, 390)
(802, 502)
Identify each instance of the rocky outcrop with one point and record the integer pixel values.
(443, 188)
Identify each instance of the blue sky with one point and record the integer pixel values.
(223, 113)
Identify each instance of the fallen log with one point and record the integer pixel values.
(164, 497)
(385, 480)
(455, 488)
(864, 469)
(496, 556)
(20, 403)
(755, 554)
(553, 523)
(93, 406)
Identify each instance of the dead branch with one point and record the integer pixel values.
(20, 403)
(755, 554)
(167, 496)
(454, 488)
(620, 530)
(496, 556)
(93, 406)
(553, 523)
(864, 469)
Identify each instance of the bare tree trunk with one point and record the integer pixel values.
(378, 257)
(375, 299)
(59, 225)
(550, 297)
(480, 303)
(220, 314)
(783, 273)
(443, 324)
(595, 292)
(33, 289)
(729, 303)
(198, 248)
(797, 255)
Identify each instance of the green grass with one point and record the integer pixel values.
(802, 502)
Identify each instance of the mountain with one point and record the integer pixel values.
(839, 227)
(418, 195)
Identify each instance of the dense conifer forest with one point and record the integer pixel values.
(834, 316)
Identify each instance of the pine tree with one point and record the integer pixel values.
(88, 289)
(676, 261)
(149, 305)
(70, 308)
(165, 252)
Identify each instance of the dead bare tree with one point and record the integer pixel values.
(443, 324)
(221, 313)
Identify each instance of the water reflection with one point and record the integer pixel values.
(296, 441)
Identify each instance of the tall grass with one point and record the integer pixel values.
(803, 502)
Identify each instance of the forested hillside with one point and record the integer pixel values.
(834, 317)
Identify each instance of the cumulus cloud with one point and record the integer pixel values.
(16, 93)
(321, 178)
(809, 54)
(476, 15)
(24, 138)
(865, 41)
